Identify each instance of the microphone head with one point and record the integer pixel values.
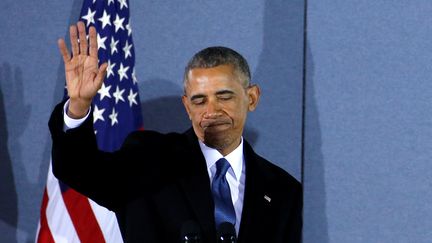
(226, 233)
(190, 232)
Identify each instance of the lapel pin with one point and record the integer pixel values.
(267, 198)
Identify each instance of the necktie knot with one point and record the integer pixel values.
(222, 166)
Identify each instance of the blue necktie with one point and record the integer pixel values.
(224, 209)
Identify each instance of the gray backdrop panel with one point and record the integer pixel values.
(368, 148)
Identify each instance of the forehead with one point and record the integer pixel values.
(222, 76)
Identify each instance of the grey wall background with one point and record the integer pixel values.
(367, 108)
(368, 170)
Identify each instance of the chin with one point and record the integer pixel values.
(217, 141)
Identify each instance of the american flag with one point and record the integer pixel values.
(67, 216)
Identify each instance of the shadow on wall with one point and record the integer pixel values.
(279, 75)
(12, 163)
(280, 49)
(162, 107)
(315, 227)
(8, 193)
(58, 95)
(163, 110)
(59, 90)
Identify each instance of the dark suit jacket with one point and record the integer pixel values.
(156, 182)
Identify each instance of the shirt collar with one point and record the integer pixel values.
(235, 158)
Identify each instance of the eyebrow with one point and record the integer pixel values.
(225, 91)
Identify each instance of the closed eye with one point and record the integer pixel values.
(198, 99)
(225, 94)
(225, 97)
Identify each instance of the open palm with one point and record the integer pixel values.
(83, 76)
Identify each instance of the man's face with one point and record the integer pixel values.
(217, 104)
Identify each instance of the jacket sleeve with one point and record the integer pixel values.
(110, 179)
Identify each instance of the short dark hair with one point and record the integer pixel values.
(219, 55)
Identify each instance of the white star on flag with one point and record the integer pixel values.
(129, 29)
(110, 69)
(113, 117)
(98, 114)
(118, 95)
(122, 72)
(104, 91)
(118, 23)
(122, 4)
(127, 50)
(101, 42)
(105, 19)
(113, 45)
(134, 78)
(132, 98)
(89, 17)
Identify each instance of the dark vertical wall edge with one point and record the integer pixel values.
(302, 152)
(302, 158)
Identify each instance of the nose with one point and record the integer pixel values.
(212, 109)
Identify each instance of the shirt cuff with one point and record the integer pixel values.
(70, 123)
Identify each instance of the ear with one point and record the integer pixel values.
(185, 101)
(254, 94)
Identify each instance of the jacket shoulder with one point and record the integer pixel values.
(271, 172)
(278, 174)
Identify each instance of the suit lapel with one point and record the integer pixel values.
(254, 201)
(197, 187)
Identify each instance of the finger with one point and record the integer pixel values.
(63, 50)
(93, 42)
(101, 75)
(74, 40)
(82, 38)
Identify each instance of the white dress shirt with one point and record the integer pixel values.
(235, 176)
(70, 123)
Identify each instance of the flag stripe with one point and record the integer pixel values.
(59, 221)
(44, 231)
(82, 217)
(107, 223)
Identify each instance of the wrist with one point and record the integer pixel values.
(78, 109)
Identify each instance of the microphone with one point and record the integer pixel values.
(190, 232)
(226, 233)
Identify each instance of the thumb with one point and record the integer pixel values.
(101, 75)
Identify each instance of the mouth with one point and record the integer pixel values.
(214, 125)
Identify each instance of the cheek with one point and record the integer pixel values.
(196, 119)
(240, 120)
(237, 112)
(236, 117)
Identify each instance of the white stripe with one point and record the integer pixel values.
(37, 230)
(107, 222)
(58, 218)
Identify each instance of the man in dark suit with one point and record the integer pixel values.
(156, 183)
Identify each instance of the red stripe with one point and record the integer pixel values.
(44, 235)
(83, 218)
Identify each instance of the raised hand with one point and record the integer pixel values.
(83, 76)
